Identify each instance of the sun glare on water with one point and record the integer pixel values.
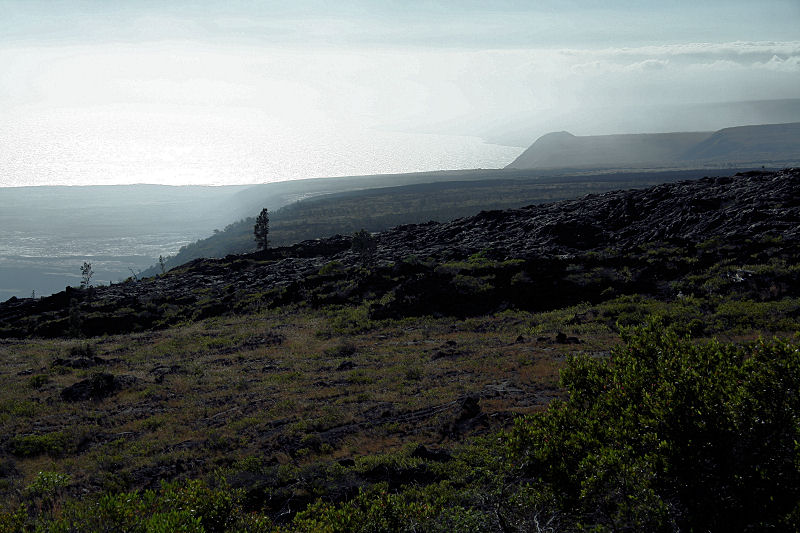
(171, 115)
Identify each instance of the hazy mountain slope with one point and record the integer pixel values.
(521, 128)
(773, 142)
(755, 145)
(562, 149)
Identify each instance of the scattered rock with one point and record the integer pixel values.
(469, 407)
(97, 387)
(504, 387)
(346, 365)
(162, 370)
(80, 362)
(448, 350)
(562, 338)
(422, 452)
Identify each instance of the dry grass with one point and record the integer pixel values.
(276, 385)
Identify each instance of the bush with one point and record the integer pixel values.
(190, 506)
(373, 510)
(54, 444)
(38, 381)
(670, 434)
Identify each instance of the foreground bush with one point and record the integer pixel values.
(190, 507)
(667, 434)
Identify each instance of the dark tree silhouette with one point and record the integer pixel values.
(86, 275)
(261, 230)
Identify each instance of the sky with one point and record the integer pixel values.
(247, 92)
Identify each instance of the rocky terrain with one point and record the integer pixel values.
(528, 258)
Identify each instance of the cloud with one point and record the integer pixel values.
(647, 65)
(733, 48)
(720, 65)
(740, 57)
(610, 67)
(776, 63)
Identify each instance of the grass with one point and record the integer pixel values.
(203, 393)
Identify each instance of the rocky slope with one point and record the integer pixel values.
(539, 256)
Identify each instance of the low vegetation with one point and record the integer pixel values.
(660, 433)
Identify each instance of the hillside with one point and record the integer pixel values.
(538, 239)
(551, 366)
(754, 145)
(774, 142)
(562, 149)
(378, 209)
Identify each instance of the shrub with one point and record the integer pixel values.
(46, 489)
(345, 349)
(670, 434)
(54, 444)
(13, 521)
(331, 267)
(373, 510)
(190, 506)
(36, 382)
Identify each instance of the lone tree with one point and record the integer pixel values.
(261, 230)
(86, 275)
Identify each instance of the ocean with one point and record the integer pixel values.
(92, 151)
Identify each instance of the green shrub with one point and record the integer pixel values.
(345, 349)
(82, 350)
(36, 382)
(670, 434)
(13, 521)
(21, 408)
(331, 267)
(55, 444)
(190, 506)
(46, 484)
(374, 510)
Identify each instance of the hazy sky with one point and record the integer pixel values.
(222, 92)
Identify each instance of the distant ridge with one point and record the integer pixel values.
(752, 144)
(771, 142)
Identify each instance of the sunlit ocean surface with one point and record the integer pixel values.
(33, 245)
(177, 148)
(181, 147)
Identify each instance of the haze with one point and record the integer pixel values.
(252, 92)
